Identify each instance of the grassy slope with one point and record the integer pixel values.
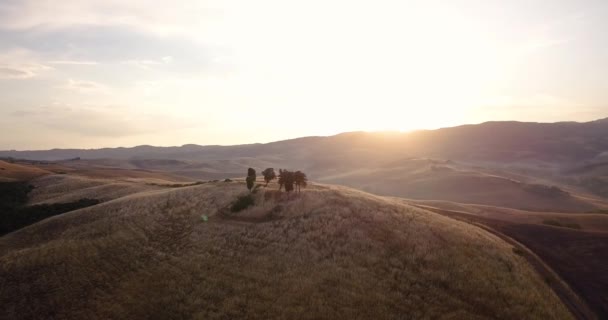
(331, 253)
(597, 222)
(425, 179)
(66, 188)
(18, 172)
(574, 245)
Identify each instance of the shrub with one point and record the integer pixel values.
(518, 251)
(242, 203)
(256, 188)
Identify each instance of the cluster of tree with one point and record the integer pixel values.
(289, 179)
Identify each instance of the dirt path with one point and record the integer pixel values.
(573, 302)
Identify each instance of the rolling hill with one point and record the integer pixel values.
(530, 166)
(17, 172)
(575, 246)
(331, 252)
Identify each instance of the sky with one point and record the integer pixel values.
(109, 73)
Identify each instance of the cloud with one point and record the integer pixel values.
(550, 34)
(20, 64)
(95, 121)
(21, 71)
(147, 64)
(84, 86)
(539, 43)
(153, 16)
(74, 62)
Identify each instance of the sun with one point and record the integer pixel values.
(398, 70)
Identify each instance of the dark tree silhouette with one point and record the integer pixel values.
(300, 180)
(289, 180)
(251, 176)
(269, 175)
(281, 179)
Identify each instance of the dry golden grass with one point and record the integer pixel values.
(427, 179)
(597, 222)
(69, 188)
(329, 253)
(18, 172)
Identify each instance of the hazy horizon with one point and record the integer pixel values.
(285, 138)
(93, 74)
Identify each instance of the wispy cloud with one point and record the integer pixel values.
(74, 62)
(98, 121)
(84, 86)
(153, 16)
(19, 63)
(21, 71)
(148, 63)
(550, 34)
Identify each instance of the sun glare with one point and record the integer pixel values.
(396, 70)
(205, 69)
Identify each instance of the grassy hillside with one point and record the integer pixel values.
(575, 246)
(597, 222)
(17, 172)
(413, 178)
(331, 253)
(66, 188)
(429, 179)
(553, 167)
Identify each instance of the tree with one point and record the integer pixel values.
(269, 175)
(288, 179)
(251, 176)
(281, 179)
(300, 180)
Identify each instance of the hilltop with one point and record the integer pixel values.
(331, 252)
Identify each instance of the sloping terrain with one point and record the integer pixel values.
(430, 179)
(575, 246)
(597, 222)
(67, 188)
(413, 178)
(592, 176)
(330, 252)
(17, 172)
(529, 166)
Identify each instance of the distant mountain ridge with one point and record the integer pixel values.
(522, 165)
(509, 141)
